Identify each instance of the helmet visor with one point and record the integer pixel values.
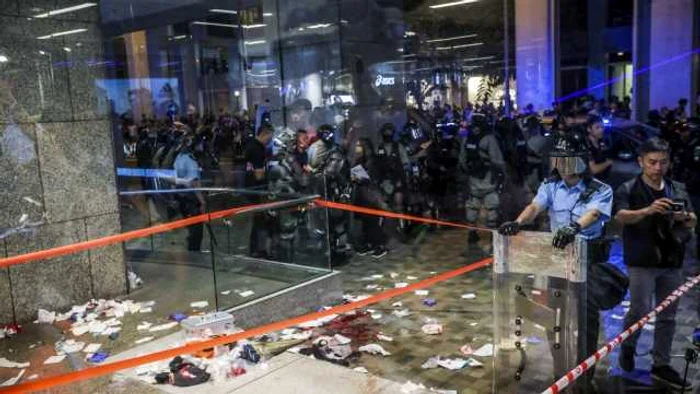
(568, 165)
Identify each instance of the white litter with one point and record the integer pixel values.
(246, 294)
(70, 346)
(469, 296)
(144, 340)
(97, 327)
(301, 336)
(342, 340)
(411, 278)
(226, 292)
(146, 310)
(452, 364)
(377, 316)
(111, 330)
(147, 304)
(474, 363)
(54, 359)
(432, 329)
(422, 293)
(401, 313)
(648, 327)
(360, 369)
(484, 351)
(394, 275)
(410, 387)
(400, 285)
(352, 298)
(13, 381)
(378, 276)
(431, 363)
(473, 324)
(92, 348)
(5, 363)
(163, 327)
(80, 329)
(144, 326)
(384, 338)
(373, 348)
(113, 322)
(372, 287)
(397, 304)
(536, 292)
(35, 376)
(318, 322)
(32, 201)
(45, 316)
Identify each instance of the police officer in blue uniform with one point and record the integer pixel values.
(578, 206)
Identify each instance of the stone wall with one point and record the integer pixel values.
(56, 158)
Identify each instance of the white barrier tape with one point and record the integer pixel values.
(580, 369)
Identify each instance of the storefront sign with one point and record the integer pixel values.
(383, 81)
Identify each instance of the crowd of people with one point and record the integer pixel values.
(476, 165)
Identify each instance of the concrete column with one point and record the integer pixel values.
(597, 60)
(640, 58)
(536, 52)
(671, 38)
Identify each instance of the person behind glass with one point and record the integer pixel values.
(578, 206)
(657, 216)
(188, 176)
(599, 163)
(255, 180)
(363, 175)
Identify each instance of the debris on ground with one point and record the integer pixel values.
(484, 351)
(373, 348)
(5, 363)
(432, 328)
(54, 359)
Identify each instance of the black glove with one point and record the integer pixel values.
(509, 228)
(566, 235)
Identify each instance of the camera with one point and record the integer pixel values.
(677, 206)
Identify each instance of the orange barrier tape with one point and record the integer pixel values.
(122, 237)
(378, 212)
(105, 369)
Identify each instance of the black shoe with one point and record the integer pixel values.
(626, 359)
(363, 250)
(473, 237)
(668, 377)
(379, 252)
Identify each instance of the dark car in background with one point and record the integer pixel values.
(622, 139)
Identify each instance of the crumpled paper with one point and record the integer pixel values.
(373, 348)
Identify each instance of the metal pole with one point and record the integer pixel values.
(506, 52)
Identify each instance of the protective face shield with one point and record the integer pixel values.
(569, 155)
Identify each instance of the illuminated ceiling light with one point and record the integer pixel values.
(476, 59)
(620, 54)
(452, 38)
(453, 3)
(4, 59)
(180, 37)
(65, 10)
(399, 50)
(476, 44)
(61, 33)
(268, 14)
(214, 24)
(255, 42)
(254, 26)
(222, 11)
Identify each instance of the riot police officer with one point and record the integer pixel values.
(578, 205)
(417, 144)
(481, 158)
(332, 180)
(392, 158)
(188, 175)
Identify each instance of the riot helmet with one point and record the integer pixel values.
(479, 124)
(387, 131)
(569, 155)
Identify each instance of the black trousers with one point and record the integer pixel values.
(189, 206)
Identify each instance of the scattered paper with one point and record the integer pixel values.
(246, 294)
(147, 304)
(431, 363)
(163, 327)
(33, 377)
(111, 330)
(401, 285)
(377, 276)
(13, 381)
(226, 292)
(394, 275)
(452, 364)
(144, 340)
(45, 316)
(373, 348)
(146, 310)
(360, 369)
(318, 322)
(54, 359)
(466, 350)
(411, 278)
(342, 340)
(401, 313)
(384, 338)
(422, 293)
(70, 346)
(92, 348)
(473, 324)
(410, 387)
(5, 363)
(484, 351)
(432, 329)
(398, 304)
(469, 296)
(301, 336)
(80, 329)
(372, 287)
(144, 326)
(536, 292)
(97, 327)
(376, 316)
(32, 201)
(474, 363)
(533, 340)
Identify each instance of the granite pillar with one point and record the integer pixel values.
(56, 159)
(536, 47)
